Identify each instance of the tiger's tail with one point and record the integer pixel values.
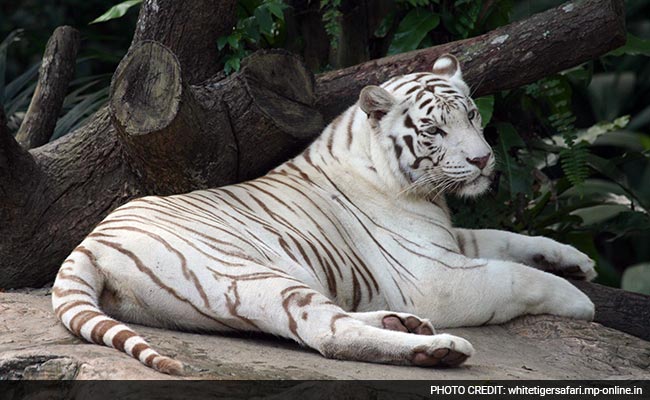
(75, 299)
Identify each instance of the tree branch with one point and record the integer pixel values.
(508, 57)
(55, 73)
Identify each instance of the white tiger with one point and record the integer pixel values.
(347, 249)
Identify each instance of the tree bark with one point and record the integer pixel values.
(54, 76)
(189, 29)
(508, 57)
(624, 311)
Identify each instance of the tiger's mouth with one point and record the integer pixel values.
(476, 185)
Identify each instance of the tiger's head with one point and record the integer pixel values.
(431, 130)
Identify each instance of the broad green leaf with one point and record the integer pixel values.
(412, 30)
(277, 9)
(264, 20)
(232, 64)
(116, 11)
(485, 107)
(637, 278)
(221, 42)
(634, 46)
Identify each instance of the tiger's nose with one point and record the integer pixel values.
(480, 162)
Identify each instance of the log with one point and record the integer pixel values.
(54, 76)
(508, 57)
(625, 311)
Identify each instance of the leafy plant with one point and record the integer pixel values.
(259, 25)
(331, 15)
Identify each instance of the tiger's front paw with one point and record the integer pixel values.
(563, 260)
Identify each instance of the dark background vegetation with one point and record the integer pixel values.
(573, 148)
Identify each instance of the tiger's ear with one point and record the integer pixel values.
(376, 102)
(448, 67)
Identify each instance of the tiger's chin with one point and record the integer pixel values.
(475, 187)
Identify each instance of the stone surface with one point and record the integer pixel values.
(34, 345)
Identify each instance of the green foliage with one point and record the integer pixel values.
(486, 108)
(331, 15)
(116, 11)
(634, 46)
(260, 25)
(412, 30)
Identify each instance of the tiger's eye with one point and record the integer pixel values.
(471, 115)
(434, 130)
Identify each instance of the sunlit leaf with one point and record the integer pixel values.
(116, 11)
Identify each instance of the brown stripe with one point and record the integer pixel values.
(149, 360)
(474, 243)
(293, 325)
(411, 90)
(139, 348)
(64, 307)
(98, 332)
(461, 243)
(74, 278)
(349, 130)
(121, 337)
(78, 321)
(425, 102)
(67, 292)
(334, 319)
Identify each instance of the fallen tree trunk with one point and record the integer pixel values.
(69, 185)
(505, 58)
(619, 309)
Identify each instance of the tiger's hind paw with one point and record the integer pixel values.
(408, 324)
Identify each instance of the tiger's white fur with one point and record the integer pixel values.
(347, 248)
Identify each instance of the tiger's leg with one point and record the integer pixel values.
(300, 313)
(476, 292)
(395, 321)
(538, 252)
